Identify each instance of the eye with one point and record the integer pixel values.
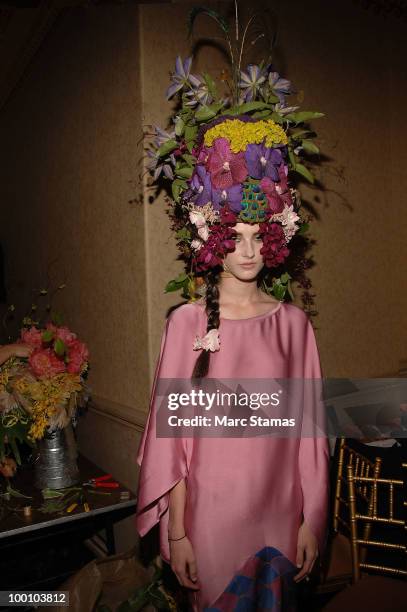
(236, 238)
(258, 237)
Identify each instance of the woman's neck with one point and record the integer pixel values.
(233, 290)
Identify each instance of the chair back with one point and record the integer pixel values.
(361, 466)
(372, 504)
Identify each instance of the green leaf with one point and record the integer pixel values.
(208, 112)
(292, 157)
(190, 135)
(210, 84)
(59, 347)
(190, 159)
(301, 169)
(299, 134)
(181, 277)
(177, 283)
(310, 147)
(57, 318)
(303, 228)
(183, 235)
(262, 114)
(202, 10)
(251, 106)
(277, 118)
(303, 116)
(176, 189)
(179, 127)
(284, 278)
(185, 171)
(279, 291)
(167, 147)
(48, 335)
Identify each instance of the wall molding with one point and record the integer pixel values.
(128, 416)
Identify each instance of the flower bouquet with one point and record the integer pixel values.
(40, 393)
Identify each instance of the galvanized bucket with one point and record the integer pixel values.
(56, 463)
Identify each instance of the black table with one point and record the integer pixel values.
(41, 550)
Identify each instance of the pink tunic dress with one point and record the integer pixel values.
(243, 494)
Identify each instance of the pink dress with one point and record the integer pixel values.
(243, 494)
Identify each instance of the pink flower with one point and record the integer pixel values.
(32, 336)
(209, 342)
(213, 251)
(226, 168)
(65, 334)
(274, 249)
(45, 364)
(274, 199)
(77, 357)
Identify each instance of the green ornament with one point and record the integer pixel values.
(254, 203)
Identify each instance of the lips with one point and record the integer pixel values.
(247, 265)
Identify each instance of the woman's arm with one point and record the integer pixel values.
(182, 555)
(176, 509)
(16, 350)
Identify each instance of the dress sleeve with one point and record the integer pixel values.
(164, 461)
(314, 449)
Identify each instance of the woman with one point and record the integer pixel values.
(241, 518)
(237, 497)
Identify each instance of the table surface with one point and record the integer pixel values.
(101, 502)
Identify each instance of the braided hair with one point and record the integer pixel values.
(212, 311)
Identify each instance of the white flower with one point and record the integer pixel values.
(196, 244)
(198, 219)
(203, 232)
(209, 342)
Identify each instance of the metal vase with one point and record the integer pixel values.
(56, 464)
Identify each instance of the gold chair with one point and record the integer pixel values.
(373, 591)
(364, 489)
(337, 569)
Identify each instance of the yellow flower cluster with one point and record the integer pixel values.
(49, 397)
(240, 133)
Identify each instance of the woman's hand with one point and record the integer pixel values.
(307, 552)
(183, 563)
(14, 350)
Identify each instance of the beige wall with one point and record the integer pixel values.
(70, 164)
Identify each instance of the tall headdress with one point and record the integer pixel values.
(233, 159)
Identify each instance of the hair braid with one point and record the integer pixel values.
(212, 311)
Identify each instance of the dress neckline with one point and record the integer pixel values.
(266, 314)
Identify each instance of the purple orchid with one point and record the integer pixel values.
(182, 77)
(231, 196)
(157, 165)
(202, 191)
(251, 81)
(263, 161)
(201, 186)
(279, 86)
(199, 94)
(161, 136)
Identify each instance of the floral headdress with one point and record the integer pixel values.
(233, 159)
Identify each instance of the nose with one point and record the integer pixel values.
(248, 249)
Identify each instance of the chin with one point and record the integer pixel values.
(247, 275)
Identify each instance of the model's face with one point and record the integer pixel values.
(246, 261)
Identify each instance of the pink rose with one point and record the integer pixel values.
(65, 334)
(77, 357)
(32, 336)
(45, 364)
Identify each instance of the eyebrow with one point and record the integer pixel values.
(254, 233)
